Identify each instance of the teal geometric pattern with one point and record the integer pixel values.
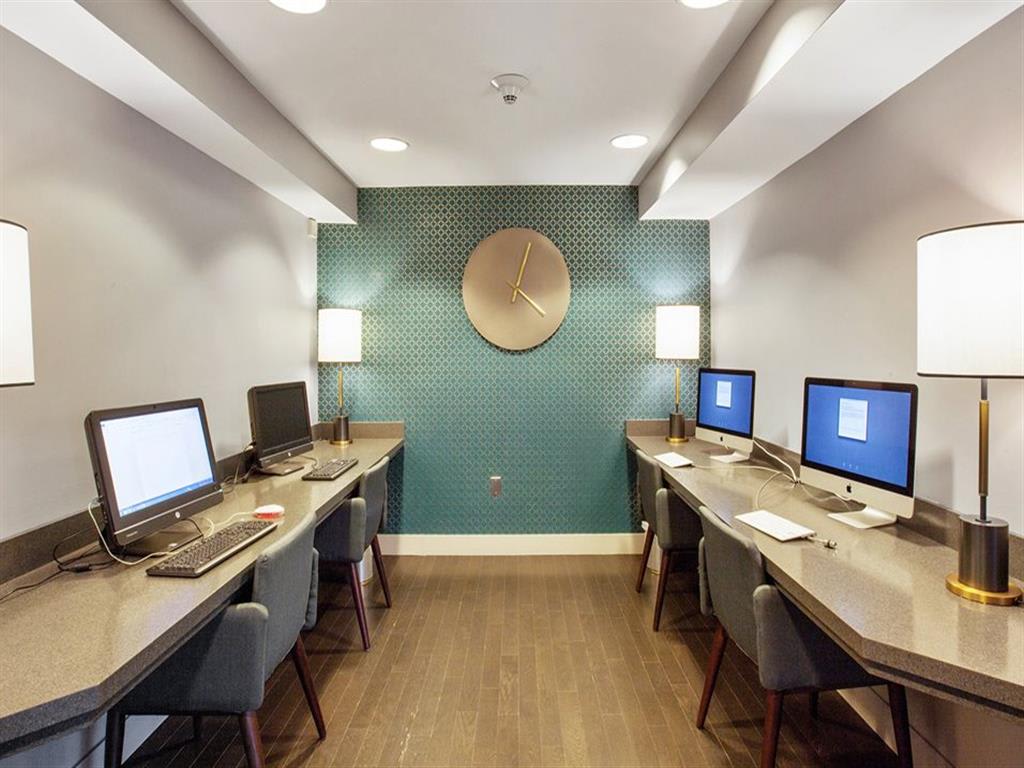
(548, 420)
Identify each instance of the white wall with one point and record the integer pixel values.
(815, 273)
(156, 274)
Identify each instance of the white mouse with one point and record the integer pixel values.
(269, 511)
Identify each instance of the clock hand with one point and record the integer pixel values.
(533, 303)
(522, 268)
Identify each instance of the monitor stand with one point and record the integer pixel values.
(281, 468)
(869, 517)
(169, 539)
(730, 458)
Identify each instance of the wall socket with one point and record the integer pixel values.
(495, 485)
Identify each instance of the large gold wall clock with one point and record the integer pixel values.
(516, 288)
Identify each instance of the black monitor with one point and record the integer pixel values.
(279, 418)
(153, 466)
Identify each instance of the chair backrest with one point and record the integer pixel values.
(733, 569)
(648, 479)
(373, 489)
(282, 582)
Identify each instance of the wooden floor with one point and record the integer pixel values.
(529, 661)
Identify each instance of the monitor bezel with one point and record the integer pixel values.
(888, 386)
(753, 401)
(122, 530)
(266, 458)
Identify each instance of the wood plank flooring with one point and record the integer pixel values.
(525, 661)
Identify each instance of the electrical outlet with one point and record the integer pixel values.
(495, 485)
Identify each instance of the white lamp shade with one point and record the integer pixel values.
(970, 301)
(340, 338)
(16, 359)
(677, 332)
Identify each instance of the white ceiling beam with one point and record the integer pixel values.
(149, 56)
(806, 71)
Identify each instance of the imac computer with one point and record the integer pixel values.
(154, 466)
(279, 418)
(858, 443)
(725, 411)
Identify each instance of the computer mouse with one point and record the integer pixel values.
(269, 512)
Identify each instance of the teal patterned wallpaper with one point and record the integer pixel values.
(548, 420)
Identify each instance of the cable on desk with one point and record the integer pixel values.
(25, 587)
(757, 496)
(783, 462)
(103, 541)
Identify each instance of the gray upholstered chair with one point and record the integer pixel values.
(792, 654)
(669, 519)
(223, 668)
(345, 535)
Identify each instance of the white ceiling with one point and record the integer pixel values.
(420, 70)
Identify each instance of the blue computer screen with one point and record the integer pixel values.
(865, 432)
(726, 402)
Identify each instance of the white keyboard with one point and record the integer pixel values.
(777, 527)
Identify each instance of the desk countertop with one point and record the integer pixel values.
(73, 646)
(881, 593)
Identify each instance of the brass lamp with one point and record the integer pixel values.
(340, 340)
(970, 324)
(677, 337)
(17, 363)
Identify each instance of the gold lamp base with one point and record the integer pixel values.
(1010, 597)
(676, 428)
(341, 442)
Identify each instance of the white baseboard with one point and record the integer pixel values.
(512, 544)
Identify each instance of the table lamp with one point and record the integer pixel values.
(970, 324)
(17, 367)
(340, 340)
(677, 337)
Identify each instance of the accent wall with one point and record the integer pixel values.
(548, 420)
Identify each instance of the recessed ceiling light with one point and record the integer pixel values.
(386, 144)
(700, 4)
(629, 141)
(300, 6)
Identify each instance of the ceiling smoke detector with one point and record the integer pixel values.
(509, 87)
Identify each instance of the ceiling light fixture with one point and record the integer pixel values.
(300, 6)
(701, 4)
(629, 141)
(388, 144)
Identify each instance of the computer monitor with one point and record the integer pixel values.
(279, 418)
(725, 410)
(153, 466)
(858, 443)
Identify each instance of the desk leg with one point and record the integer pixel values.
(113, 748)
(901, 724)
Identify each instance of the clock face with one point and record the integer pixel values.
(516, 288)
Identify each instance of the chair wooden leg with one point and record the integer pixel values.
(113, 748)
(306, 679)
(666, 566)
(718, 644)
(814, 704)
(772, 724)
(357, 598)
(250, 727)
(901, 724)
(378, 563)
(648, 541)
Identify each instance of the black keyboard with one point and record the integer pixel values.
(331, 470)
(200, 556)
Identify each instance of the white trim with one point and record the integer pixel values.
(512, 544)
